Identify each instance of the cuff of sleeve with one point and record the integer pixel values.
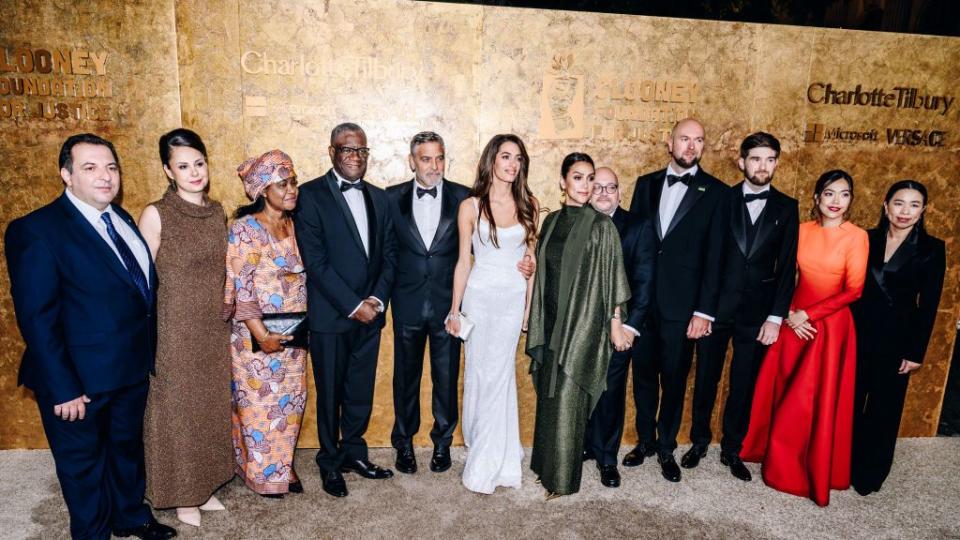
(775, 320)
(246, 311)
(631, 329)
(704, 316)
(380, 302)
(354, 310)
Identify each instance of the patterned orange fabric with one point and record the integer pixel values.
(259, 172)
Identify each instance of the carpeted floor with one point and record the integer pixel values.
(920, 500)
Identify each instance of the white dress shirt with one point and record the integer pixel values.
(754, 208)
(358, 208)
(426, 212)
(137, 247)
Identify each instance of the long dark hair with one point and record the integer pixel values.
(572, 159)
(884, 223)
(180, 137)
(825, 180)
(522, 196)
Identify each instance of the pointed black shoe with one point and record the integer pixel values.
(151, 530)
(609, 475)
(669, 468)
(366, 469)
(737, 468)
(692, 457)
(441, 459)
(636, 456)
(296, 487)
(406, 460)
(334, 484)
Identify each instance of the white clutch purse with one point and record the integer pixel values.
(466, 326)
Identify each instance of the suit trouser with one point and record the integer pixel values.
(605, 428)
(344, 373)
(748, 354)
(99, 461)
(660, 374)
(877, 408)
(409, 342)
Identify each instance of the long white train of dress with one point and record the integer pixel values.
(494, 299)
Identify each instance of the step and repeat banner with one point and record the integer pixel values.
(251, 76)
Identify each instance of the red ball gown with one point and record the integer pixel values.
(801, 421)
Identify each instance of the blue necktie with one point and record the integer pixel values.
(133, 267)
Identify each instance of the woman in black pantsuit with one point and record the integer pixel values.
(894, 319)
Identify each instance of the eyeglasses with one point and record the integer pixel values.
(352, 151)
(609, 190)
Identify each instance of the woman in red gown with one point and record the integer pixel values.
(801, 421)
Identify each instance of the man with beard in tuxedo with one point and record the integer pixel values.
(757, 282)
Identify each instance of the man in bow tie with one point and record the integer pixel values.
(344, 229)
(683, 202)
(756, 286)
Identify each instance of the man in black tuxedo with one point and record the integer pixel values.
(425, 219)
(683, 201)
(84, 291)
(344, 228)
(639, 243)
(756, 286)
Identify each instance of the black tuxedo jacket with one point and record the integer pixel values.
(898, 308)
(690, 250)
(639, 243)
(758, 283)
(86, 326)
(424, 278)
(340, 275)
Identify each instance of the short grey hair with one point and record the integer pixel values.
(346, 127)
(425, 137)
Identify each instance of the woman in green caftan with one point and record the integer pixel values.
(579, 299)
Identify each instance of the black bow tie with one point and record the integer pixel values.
(673, 179)
(344, 186)
(750, 197)
(431, 192)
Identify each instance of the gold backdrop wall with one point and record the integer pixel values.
(251, 76)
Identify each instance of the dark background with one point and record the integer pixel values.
(936, 17)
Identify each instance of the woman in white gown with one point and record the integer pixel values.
(498, 221)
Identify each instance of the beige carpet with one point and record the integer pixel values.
(920, 500)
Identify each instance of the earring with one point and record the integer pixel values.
(563, 197)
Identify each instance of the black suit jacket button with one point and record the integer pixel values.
(660, 252)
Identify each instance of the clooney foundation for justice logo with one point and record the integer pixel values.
(54, 84)
(561, 101)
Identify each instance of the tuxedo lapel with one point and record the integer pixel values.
(448, 214)
(342, 204)
(695, 190)
(91, 239)
(152, 278)
(903, 254)
(373, 240)
(656, 188)
(768, 219)
(738, 221)
(619, 218)
(406, 212)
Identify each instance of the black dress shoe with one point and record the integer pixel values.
(638, 454)
(406, 460)
(669, 468)
(366, 469)
(441, 459)
(609, 475)
(151, 530)
(737, 468)
(692, 458)
(863, 491)
(272, 495)
(334, 484)
(296, 487)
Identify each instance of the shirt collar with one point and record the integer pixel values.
(416, 185)
(691, 171)
(747, 190)
(341, 180)
(89, 212)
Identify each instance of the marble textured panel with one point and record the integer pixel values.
(251, 76)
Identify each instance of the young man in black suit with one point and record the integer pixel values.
(344, 228)
(425, 220)
(683, 201)
(639, 243)
(756, 286)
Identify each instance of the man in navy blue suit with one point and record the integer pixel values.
(84, 290)
(345, 233)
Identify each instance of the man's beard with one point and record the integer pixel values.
(686, 164)
(760, 182)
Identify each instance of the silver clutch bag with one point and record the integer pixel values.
(466, 326)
